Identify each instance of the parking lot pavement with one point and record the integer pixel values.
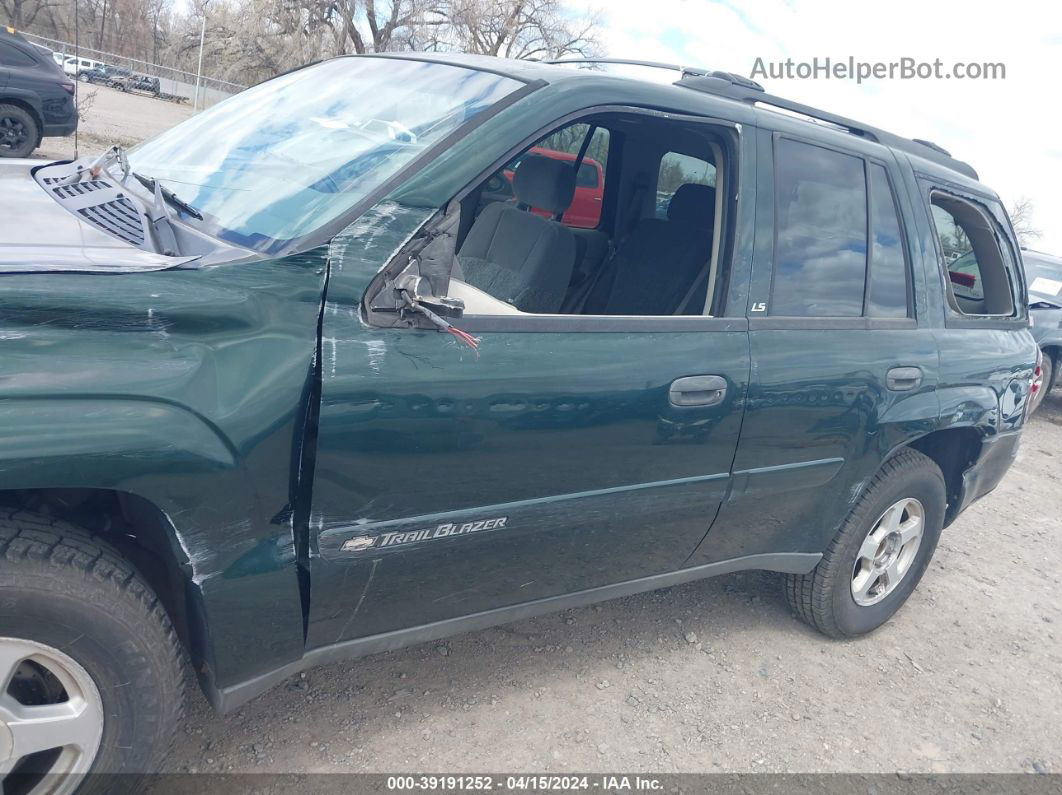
(710, 676)
(111, 117)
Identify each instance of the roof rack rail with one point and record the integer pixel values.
(731, 86)
(692, 71)
(933, 146)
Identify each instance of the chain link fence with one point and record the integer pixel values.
(171, 81)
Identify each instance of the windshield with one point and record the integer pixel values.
(1048, 268)
(284, 158)
(1043, 274)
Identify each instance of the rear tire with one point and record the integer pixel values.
(98, 630)
(19, 132)
(880, 553)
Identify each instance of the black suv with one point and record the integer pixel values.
(36, 98)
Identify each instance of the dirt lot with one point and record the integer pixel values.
(113, 117)
(710, 677)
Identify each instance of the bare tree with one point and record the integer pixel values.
(156, 10)
(248, 41)
(22, 13)
(1021, 213)
(360, 26)
(533, 29)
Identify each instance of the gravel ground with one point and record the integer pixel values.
(114, 117)
(714, 676)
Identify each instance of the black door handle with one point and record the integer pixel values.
(697, 390)
(903, 379)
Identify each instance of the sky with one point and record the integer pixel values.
(1008, 129)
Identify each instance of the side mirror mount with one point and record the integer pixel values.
(418, 289)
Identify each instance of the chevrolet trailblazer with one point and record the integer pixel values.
(288, 384)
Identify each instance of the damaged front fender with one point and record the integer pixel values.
(188, 389)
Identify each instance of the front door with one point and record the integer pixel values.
(550, 461)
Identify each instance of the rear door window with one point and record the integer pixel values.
(820, 252)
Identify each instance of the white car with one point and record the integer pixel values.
(73, 65)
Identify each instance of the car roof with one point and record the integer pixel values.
(1040, 256)
(695, 85)
(12, 36)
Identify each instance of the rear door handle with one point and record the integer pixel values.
(903, 379)
(697, 390)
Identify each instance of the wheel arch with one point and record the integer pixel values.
(28, 106)
(159, 483)
(146, 537)
(954, 450)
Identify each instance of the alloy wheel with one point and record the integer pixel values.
(51, 719)
(13, 133)
(888, 551)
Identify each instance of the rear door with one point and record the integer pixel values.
(844, 357)
(569, 452)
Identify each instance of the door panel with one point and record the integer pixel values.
(449, 482)
(821, 415)
(819, 420)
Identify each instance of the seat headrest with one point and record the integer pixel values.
(692, 204)
(544, 183)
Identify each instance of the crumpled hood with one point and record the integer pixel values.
(37, 234)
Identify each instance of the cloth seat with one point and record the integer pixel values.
(654, 269)
(522, 258)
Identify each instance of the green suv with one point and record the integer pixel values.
(296, 381)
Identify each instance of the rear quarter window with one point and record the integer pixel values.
(978, 273)
(13, 56)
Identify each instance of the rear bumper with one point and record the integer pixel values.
(997, 454)
(59, 130)
(59, 114)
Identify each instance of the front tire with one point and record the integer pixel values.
(880, 553)
(85, 640)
